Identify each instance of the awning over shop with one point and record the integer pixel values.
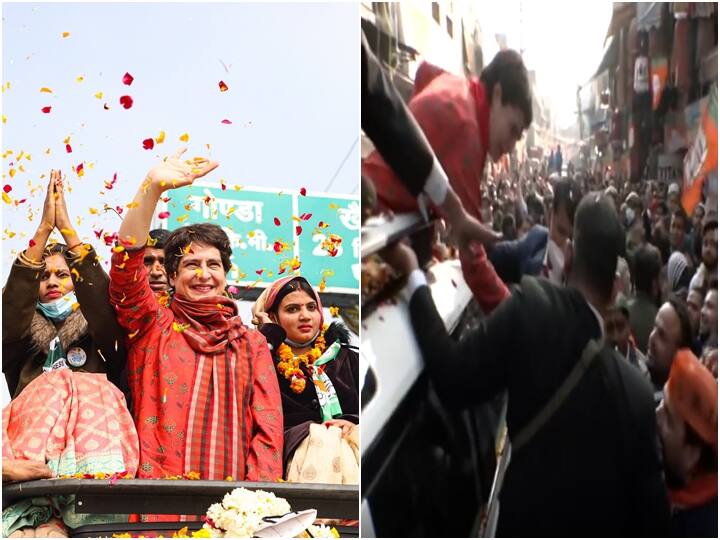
(623, 13)
(649, 15)
(609, 58)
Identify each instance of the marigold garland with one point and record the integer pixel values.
(290, 365)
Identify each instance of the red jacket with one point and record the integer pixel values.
(454, 114)
(455, 119)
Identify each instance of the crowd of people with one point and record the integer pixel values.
(600, 302)
(150, 372)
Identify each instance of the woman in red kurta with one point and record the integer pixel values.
(205, 394)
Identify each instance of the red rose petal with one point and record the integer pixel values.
(7, 188)
(303, 191)
(298, 230)
(223, 86)
(305, 217)
(98, 234)
(149, 144)
(226, 121)
(31, 243)
(46, 109)
(259, 272)
(126, 101)
(163, 215)
(276, 221)
(79, 168)
(68, 149)
(128, 79)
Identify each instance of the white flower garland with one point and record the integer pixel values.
(242, 511)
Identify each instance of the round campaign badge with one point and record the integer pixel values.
(76, 357)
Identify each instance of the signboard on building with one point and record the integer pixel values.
(272, 232)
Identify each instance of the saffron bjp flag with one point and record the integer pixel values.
(659, 77)
(702, 157)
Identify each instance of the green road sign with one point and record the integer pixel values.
(274, 229)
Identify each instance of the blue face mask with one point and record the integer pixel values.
(60, 308)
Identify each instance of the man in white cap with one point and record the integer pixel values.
(673, 198)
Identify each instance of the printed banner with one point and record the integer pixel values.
(277, 232)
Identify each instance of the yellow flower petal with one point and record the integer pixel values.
(99, 95)
(160, 138)
(46, 90)
(6, 198)
(80, 78)
(65, 34)
(184, 137)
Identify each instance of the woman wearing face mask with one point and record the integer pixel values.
(62, 350)
(318, 375)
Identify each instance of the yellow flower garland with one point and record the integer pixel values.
(289, 364)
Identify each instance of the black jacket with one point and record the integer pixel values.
(594, 469)
(388, 123)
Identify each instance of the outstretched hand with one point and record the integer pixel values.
(23, 470)
(400, 257)
(174, 172)
(465, 230)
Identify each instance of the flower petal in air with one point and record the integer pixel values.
(126, 101)
(127, 79)
(46, 110)
(163, 215)
(149, 144)
(223, 86)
